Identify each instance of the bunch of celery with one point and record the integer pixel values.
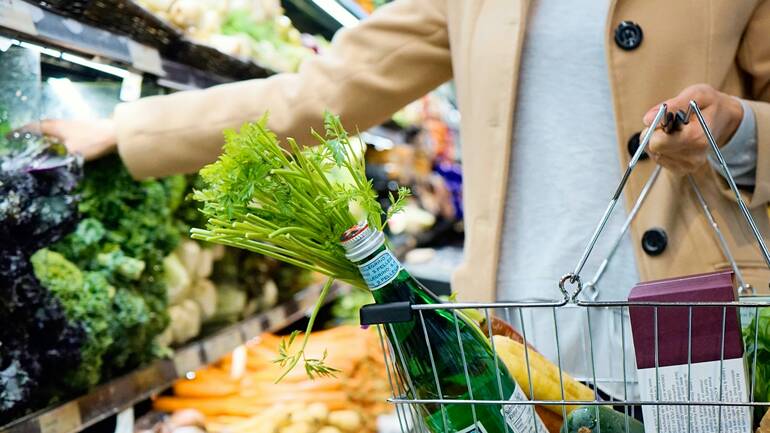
(292, 205)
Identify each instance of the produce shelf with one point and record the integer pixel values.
(113, 397)
(123, 33)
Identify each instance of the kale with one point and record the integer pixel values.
(127, 231)
(86, 299)
(37, 207)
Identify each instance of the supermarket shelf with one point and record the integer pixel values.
(112, 397)
(121, 32)
(323, 16)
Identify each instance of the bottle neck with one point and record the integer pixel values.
(379, 268)
(366, 248)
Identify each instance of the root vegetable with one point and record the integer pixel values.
(299, 427)
(346, 420)
(187, 417)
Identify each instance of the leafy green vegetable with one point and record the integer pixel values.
(756, 341)
(127, 231)
(37, 207)
(291, 205)
(87, 299)
(263, 198)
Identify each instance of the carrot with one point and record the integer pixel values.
(208, 406)
(320, 384)
(204, 388)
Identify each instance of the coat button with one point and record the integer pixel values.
(654, 241)
(628, 35)
(633, 145)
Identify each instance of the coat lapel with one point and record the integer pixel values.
(493, 56)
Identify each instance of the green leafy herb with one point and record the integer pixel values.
(292, 205)
(756, 340)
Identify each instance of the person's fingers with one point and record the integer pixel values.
(703, 94)
(649, 116)
(689, 139)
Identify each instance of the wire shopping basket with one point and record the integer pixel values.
(612, 392)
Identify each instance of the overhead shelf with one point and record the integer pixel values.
(123, 33)
(113, 397)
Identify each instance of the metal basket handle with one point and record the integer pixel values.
(670, 122)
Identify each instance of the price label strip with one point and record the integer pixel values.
(222, 344)
(15, 15)
(124, 422)
(146, 58)
(252, 328)
(63, 419)
(187, 359)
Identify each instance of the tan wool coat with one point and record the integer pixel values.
(410, 46)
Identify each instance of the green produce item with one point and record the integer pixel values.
(178, 282)
(292, 205)
(185, 321)
(756, 341)
(204, 292)
(117, 262)
(127, 231)
(584, 420)
(87, 299)
(263, 198)
(131, 317)
(231, 302)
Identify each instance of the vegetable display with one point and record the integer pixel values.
(245, 29)
(238, 394)
(37, 207)
(126, 234)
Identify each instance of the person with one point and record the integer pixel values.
(553, 97)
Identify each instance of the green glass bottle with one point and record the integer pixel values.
(451, 338)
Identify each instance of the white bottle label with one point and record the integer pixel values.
(522, 418)
(475, 428)
(380, 270)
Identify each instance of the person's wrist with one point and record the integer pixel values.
(106, 140)
(734, 110)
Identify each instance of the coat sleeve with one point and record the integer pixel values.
(395, 56)
(754, 59)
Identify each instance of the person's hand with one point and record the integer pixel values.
(686, 150)
(90, 138)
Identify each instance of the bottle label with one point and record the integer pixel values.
(521, 418)
(475, 428)
(380, 270)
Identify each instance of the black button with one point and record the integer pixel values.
(628, 35)
(654, 241)
(633, 145)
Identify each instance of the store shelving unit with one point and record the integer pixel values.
(123, 34)
(119, 394)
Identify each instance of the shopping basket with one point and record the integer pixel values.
(580, 299)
